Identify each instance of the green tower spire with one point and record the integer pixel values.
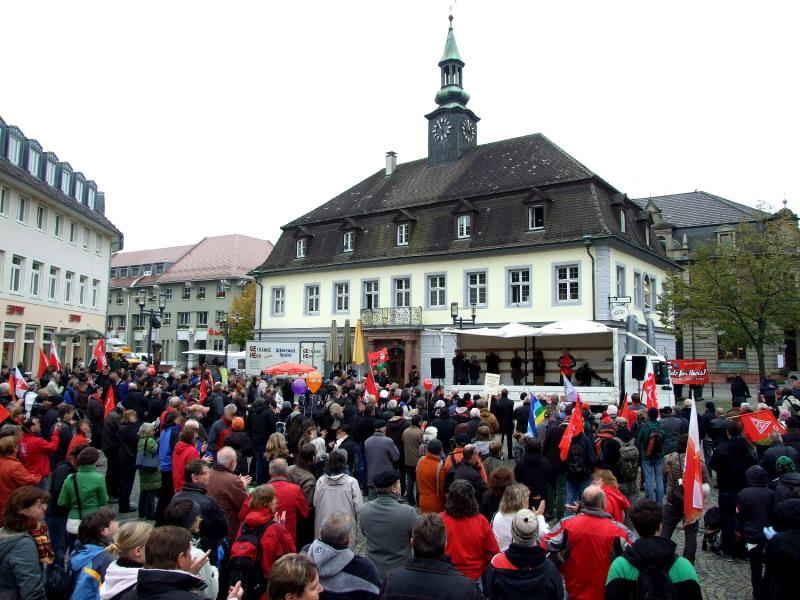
(450, 47)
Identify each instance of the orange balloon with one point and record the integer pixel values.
(314, 381)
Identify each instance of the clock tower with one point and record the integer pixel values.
(452, 127)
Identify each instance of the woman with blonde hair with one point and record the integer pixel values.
(277, 448)
(121, 575)
(515, 498)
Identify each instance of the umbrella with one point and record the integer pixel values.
(333, 344)
(289, 368)
(346, 354)
(359, 357)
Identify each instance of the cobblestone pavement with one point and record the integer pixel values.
(719, 579)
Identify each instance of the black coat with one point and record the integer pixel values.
(521, 414)
(471, 473)
(128, 435)
(730, 460)
(262, 424)
(349, 446)
(534, 471)
(782, 554)
(754, 506)
(158, 584)
(214, 525)
(429, 579)
(445, 430)
(135, 400)
(533, 578)
(503, 409)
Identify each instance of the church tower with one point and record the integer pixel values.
(452, 127)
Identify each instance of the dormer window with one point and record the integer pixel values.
(535, 217)
(79, 190)
(464, 226)
(65, 177)
(647, 235)
(300, 248)
(33, 162)
(14, 153)
(91, 198)
(50, 173)
(402, 234)
(622, 225)
(347, 241)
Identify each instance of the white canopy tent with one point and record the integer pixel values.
(518, 330)
(235, 355)
(511, 330)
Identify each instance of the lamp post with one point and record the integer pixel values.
(153, 320)
(224, 322)
(460, 320)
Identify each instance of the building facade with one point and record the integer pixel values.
(55, 248)
(510, 231)
(196, 285)
(681, 221)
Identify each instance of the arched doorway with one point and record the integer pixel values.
(395, 366)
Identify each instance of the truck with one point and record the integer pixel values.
(617, 374)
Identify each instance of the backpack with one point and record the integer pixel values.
(655, 444)
(628, 462)
(602, 437)
(576, 459)
(244, 563)
(450, 476)
(654, 583)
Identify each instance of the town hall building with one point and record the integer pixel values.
(515, 230)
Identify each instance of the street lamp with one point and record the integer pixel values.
(460, 320)
(154, 321)
(223, 320)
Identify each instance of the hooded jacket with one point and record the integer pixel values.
(89, 563)
(275, 541)
(786, 486)
(754, 505)
(334, 493)
(429, 579)
(121, 576)
(343, 574)
(214, 525)
(162, 584)
(20, 570)
(184, 453)
(782, 554)
(523, 573)
(623, 575)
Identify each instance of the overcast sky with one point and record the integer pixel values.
(206, 118)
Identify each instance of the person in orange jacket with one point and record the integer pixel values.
(12, 472)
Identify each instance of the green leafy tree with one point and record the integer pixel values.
(746, 290)
(245, 307)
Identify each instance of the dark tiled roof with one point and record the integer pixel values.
(514, 164)
(496, 183)
(57, 195)
(700, 209)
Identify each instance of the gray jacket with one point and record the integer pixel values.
(335, 493)
(673, 427)
(381, 453)
(387, 525)
(20, 570)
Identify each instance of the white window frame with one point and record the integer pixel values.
(87, 238)
(532, 210)
(14, 152)
(73, 233)
(22, 210)
(79, 190)
(202, 318)
(186, 293)
(348, 240)
(98, 243)
(34, 157)
(649, 294)
(370, 289)
(401, 291)
(69, 280)
(91, 202)
(82, 281)
(569, 281)
(623, 224)
(200, 294)
(50, 171)
(53, 276)
(219, 345)
(311, 299)
(58, 225)
(41, 217)
(221, 291)
(166, 321)
(300, 248)
(17, 274)
(95, 292)
(516, 283)
(277, 303)
(473, 289)
(436, 283)
(621, 284)
(65, 181)
(5, 200)
(647, 240)
(464, 227)
(36, 278)
(637, 289)
(402, 234)
(184, 319)
(341, 297)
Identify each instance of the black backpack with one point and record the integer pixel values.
(244, 563)
(654, 583)
(450, 476)
(576, 459)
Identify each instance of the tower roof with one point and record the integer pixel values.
(450, 47)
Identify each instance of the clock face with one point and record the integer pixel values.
(441, 129)
(468, 130)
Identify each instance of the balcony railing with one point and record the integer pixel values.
(391, 317)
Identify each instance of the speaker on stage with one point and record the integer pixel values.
(437, 368)
(638, 367)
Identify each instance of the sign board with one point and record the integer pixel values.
(260, 355)
(313, 353)
(688, 372)
(491, 386)
(620, 313)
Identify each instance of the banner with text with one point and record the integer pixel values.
(261, 355)
(688, 372)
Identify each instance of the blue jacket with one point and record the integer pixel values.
(89, 564)
(166, 445)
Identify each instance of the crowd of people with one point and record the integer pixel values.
(246, 490)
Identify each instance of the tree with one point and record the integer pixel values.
(245, 307)
(746, 290)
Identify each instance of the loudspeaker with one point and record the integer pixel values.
(638, 367)
(437, 368)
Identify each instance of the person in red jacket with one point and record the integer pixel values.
(185, 452)
(470, 540)
(588, 542)
(12, 474)
(35, 451)
(292, 503)
(275, 541)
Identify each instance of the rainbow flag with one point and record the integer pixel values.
(536, 415)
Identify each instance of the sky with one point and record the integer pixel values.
(208, 118)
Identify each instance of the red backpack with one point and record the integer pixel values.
(244, 563)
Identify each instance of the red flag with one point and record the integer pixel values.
(100, 353)
(54, 361)
(19, 383)
(693, 473)
(42, 364)
(372, 387)
(575, 420)
(649, 387)
(758, 425)
(12, 384)
(376, 358)
(203, 391)
(624, 412)
(4, 414)
(110, 401)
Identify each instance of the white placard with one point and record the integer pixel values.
(260, 355)
(491, 385)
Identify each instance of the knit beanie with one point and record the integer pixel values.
(237, 424)
(524, 528)
(88, 456)
(784, 464)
